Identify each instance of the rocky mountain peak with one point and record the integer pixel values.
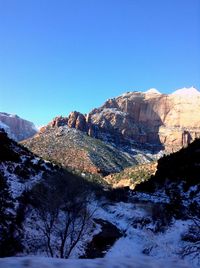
(58, 121)
(16, 127)
(148, 120)
(77, 120)
(74, 120)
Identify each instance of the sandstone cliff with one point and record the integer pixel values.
(128, 130)
(16, 127)
(149, 120)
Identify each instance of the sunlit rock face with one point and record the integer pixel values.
(150, 120)
(76, 150)
(16, 127)
(158, 119)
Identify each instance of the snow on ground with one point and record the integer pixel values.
(161, 246)
(35, 160)
(7, 130)
(112, 110)
(159, 197)
(139, 247)
(134, 262)
(137, 240)
(4, 126)
(33, 232)
(17, 186)
(119, 214)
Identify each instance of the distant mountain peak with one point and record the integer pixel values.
(152, 91)
(187, 91)
(16, 127)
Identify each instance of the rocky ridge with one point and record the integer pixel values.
(76, 150)
(151, 232)
(148, 120)
(176, 177)
(132, 176)
(134, 128)
(20, 167)
(17, 128)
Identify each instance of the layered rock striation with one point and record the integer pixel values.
(148, 120)
(17, 128)
(134, 128)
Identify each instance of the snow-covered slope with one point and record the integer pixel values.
(153, 235)
(144, 233)
(16, 127)
(177, 177)
(152, 91)
(139, 246)
(6, 128)
(134, 262)
(190, 91)
(18, 166)
(21, 173)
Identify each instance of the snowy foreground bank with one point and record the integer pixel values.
(133, 262)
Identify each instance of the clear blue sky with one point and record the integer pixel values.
(62, 55)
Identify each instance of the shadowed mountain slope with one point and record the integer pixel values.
(73, 148)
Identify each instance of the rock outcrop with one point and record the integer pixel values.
(177, 179)
(133, 128)
(74, 149)
(17, 128)
(19, 167)
(150, 120)
(132, 176)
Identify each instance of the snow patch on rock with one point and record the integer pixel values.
(190, 91)
(152, 91)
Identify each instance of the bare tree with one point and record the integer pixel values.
(193, 235)
(61, 204)
(76, 222)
